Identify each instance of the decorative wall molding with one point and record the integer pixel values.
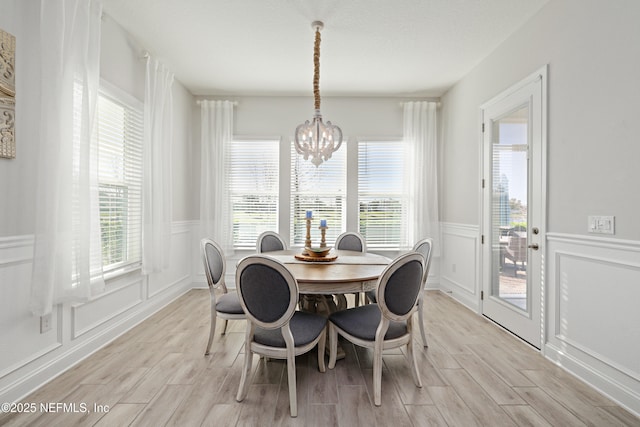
(81, 329)
(16, 250)
(92, 314)
(593, 289)
(459, 270)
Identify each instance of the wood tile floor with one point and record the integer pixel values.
(473, 373)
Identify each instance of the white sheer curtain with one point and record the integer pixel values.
(421, 133)
(67, 264)
(156, 185)
(215, 213)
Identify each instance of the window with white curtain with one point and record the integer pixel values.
(322, 190)
(120, 133)
(257, 195)
(253, 171)
(382, 193)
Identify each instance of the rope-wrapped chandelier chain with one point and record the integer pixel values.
(315, 138)
(316, 70)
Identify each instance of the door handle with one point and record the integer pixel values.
(534, 246)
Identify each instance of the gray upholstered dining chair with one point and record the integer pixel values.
(270, 241)
(387, 324)
(268, 294)
(425, 247)
(227, 305)
(352, 241)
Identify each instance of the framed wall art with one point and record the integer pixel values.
(7, 95)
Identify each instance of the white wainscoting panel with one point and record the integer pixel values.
(16, 320)
(593, 316)
(90, 315)
(179, 262)
(28, 358)
(459, 263)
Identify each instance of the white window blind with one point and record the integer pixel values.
(321, 190)
(119, 133)
(252, 168)
(382, 195)
(510, 172)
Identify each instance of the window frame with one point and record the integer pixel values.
(278, 195)
(351, 210)
(131, 104)
(335, 229)
(405, 239)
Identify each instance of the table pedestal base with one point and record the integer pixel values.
(324, 305)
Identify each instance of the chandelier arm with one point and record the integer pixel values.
(316, 70)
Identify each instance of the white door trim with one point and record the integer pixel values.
(538, 186)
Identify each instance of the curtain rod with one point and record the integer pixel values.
(199, 101)
(401, 104)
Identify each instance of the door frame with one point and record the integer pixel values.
(540, 186)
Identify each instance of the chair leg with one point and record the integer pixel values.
(246, 373)
(421, 319)
(291, 373)
(333, 345)
(212, 331)
(321, 346)
(291, 369)
(224, 326)
(411, 355)
(377, 374)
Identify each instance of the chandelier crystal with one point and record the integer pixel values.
(316, 138)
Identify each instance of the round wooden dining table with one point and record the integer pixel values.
(351, 272)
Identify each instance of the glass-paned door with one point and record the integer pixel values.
(514, 207)
(510, 183)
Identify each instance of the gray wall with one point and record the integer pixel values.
(593, 51)
(591, 283)
(29, 358)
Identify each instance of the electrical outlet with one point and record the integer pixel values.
(602, 224)
(45, 323)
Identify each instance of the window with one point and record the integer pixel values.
(252, 168)
(382, 195)
(258, 194)
(319, 189)
(119, 132)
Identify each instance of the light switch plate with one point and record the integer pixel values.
(601, 224)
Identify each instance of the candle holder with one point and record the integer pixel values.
(323, 233)
(307, 240)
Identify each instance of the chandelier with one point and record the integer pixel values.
(316, 138)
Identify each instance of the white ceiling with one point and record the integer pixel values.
(369, 47)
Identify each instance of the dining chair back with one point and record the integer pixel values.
(425, 247)
(226, 305)
(268, 294)
(270, 241)
(351, 241)
(387, 324)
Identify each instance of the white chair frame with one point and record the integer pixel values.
(212, 291)
(262, 236)
(290, 351)
(380, 344)
(424, 281)
(363, 242)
